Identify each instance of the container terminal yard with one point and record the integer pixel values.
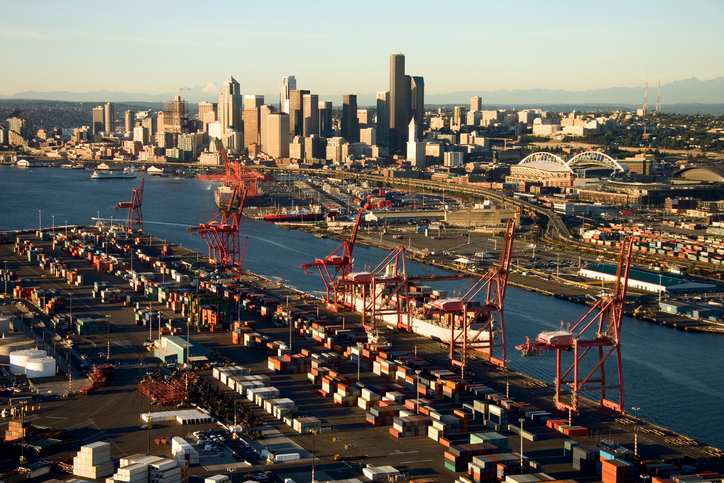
(310, 391)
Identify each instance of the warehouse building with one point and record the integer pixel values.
(647, 281)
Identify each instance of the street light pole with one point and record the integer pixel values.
(521, 421)
(108, 322)
(53, 216)
(636, 430)
(417, 389)
(360, 345)
(40, 221)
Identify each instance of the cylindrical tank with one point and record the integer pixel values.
(12, 344)
(40, 367)
(18, 359)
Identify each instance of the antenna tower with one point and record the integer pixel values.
(646, 93)
(658, 96)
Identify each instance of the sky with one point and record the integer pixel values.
(338, 47)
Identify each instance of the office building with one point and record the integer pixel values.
(233, 141)
(175, 115)
(363, 118)
(296, 148)
(250, 117)
(453, 158)
(315, 147)
(368, 136)
(130, 122)
(399, 103)
(415, 149)
(350, 126)
(310, 114)
(476, 103)
(99, 123)
(296, 114)
(417, 103)
(109, 118)
(334, 149)
(278, 135)
(140, 134)
(459, 117)
(288, 84)
(383, 118)
(207, 113)
(230, 105)
(151, 125)
(264, 112)
(325, 119)
(189, 145)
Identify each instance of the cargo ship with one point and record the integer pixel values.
(222, 195)
(313, 213)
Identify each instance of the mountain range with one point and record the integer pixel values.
(686, 91)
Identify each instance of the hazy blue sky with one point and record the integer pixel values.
(336, 47)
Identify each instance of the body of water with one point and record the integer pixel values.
(674, 377)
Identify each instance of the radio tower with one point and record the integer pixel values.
(658, 96)
(646, 93)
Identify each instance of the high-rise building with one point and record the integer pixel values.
(459, 117)
(476, 103)
(99, 123)
(264, 112)
(350, 126)
(310, 113)
(383, 118)
(363, 118)
(417, 103)
(130, 122)
(109, 118)
(207, 113)
(296, 148)
(140, 134)
(296, 113)
(230, 105)
(151, 125)
(251, 118)
(325, 119)
(288, 83)
(175, 115)
(278, 137)
(368, 136)
(399, 103)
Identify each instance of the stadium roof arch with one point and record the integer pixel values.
(546, 162)
(597, 158)
(712, 173)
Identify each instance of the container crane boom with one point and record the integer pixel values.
(135, 216)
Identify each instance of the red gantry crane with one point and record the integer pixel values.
(234, 175)
(336, 266)
(222, 235)
(605, 317)
(475, 325)
(135, 217)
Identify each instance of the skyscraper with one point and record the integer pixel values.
(230, 104)
(310, 113)
(130, 122)
(99, 123)
(207, 113)
(109, 118)
(325, 119)
(296, 114)
(288, 83)
(278, 137)
(399, 103)
(417, 103)
(350, 125)
(415, 150)
(251, 117)
(476, 103)
(383, 119)
(264, 112)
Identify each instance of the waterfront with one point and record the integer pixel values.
(673, 376)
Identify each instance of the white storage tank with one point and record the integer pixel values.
(40, 367)
(18, 359)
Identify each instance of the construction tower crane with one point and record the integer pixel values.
(234, 174)
(462, 314)
(337, 265)
(135, 217)
(605, 318)
(222, 235)
(180, 89)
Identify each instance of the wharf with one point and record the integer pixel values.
(112, 413)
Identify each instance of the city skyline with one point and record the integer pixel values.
(545, 46)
